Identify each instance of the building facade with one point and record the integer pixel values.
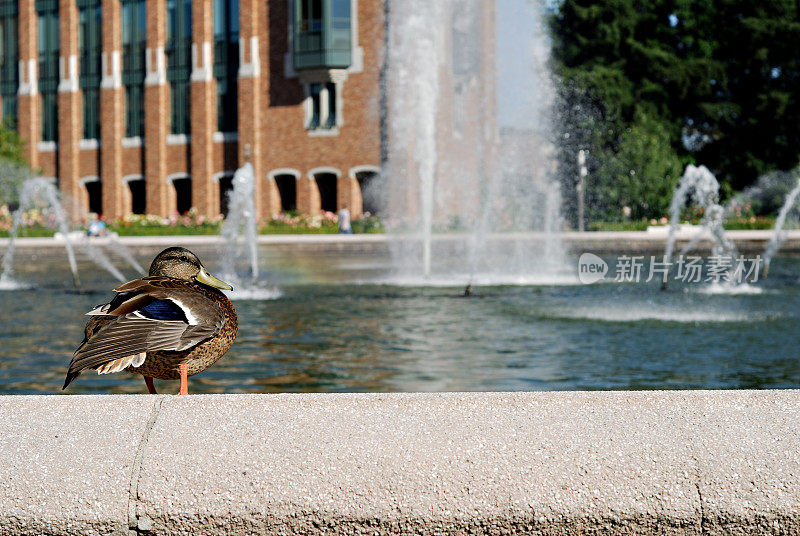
(149, 106)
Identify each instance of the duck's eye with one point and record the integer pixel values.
(184, 258)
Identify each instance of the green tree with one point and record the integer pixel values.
(13, 166)
(641, 173)
(721, 77)
(11, 145)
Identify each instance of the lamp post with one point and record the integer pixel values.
(582, 172)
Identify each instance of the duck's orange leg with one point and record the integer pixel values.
(150, 387)
(184, 368)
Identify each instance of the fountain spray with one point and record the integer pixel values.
(777, 237)
(39, 192)
(241, 221)
(704, 188)
(486, 188)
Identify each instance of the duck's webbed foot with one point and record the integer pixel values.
(184, 368)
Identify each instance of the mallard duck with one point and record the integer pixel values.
(170, 325)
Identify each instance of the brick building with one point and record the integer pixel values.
(148, 106)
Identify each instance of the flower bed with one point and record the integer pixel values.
(731, 224)
(37, 223)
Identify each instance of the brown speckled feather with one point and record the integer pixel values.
(203, 330)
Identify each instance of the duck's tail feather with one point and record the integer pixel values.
(71, 375)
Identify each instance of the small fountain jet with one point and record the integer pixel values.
(777, 235)
(703, 187)
(40, 192)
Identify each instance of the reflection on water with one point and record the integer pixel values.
(339, 336)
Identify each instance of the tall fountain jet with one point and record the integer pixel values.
(469, 200)
(240, 229)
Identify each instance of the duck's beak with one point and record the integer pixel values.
(208, 279)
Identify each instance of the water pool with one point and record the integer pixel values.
(317, 326)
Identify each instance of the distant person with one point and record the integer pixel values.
(344, 221)
(97, 227)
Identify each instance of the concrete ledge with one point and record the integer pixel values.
(598, 242)
(696, 462)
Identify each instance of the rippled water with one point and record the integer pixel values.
(337, 335)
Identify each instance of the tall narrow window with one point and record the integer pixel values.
(314, 92)
(178, 49)
(47, 11)
(321, 107)
(330, 121)
(134, 41)
(226, 63)
(9, 58)
(90, 45)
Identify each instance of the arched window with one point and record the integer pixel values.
(138, 194)
(367, 177)
(287, 188)
(183, 193)
(326, 183)
(94, 194)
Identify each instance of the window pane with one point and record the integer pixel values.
(97, 25)
(171, 19)
(331, 105)
(54, 32)
(179, 107)
(227, 105)
(341, 8)
(134, 111)
(42, 34)
(126, 23)
(220, 22)
(314, 92)
(187, 18)
(129, 130)
(82, 29)
(316, 15)
(49, 116)
(91, 114)
(233, 20)
(13, 34)
(304, 15)
(142, 20)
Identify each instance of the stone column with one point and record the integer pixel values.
(348, 194)
(271, 198)
(112, 113)
(203, 110)
(156, 112)
(250, 93)
(29, 108)
(70, 124)
(308, 201)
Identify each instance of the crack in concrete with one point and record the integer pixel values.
(702, 506)
(135, 524)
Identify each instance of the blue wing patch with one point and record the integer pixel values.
(163, 310)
